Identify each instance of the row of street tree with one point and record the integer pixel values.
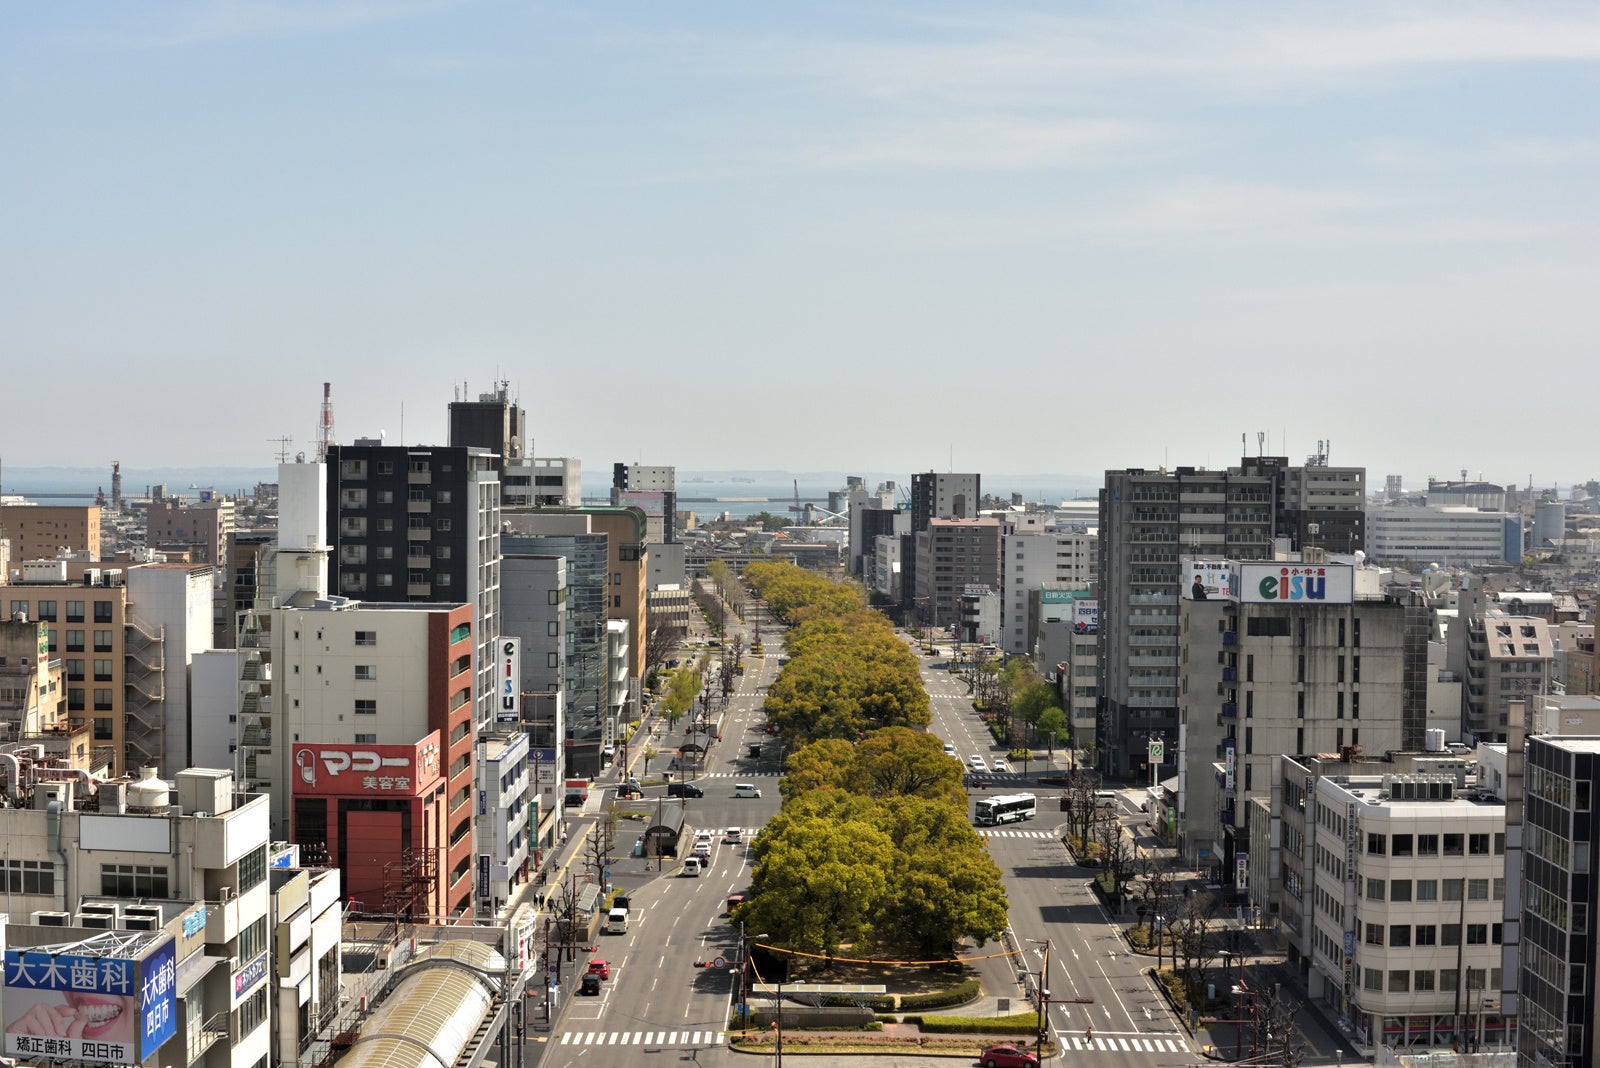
(872, 850)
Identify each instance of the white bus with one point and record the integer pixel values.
(1007, 808)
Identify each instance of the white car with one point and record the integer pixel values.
(976, 763)
(1001, 767)
(949, 749)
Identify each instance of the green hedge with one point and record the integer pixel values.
(959, 994)
(881, 1003)
(1022, 1023)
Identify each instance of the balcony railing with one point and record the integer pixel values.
(1230, 674)
(1230, 710)
(1230, 637)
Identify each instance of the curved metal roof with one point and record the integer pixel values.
(433, 1011)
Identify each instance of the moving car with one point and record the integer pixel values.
(691, 867)
(1001, 767)
(734, 835)
(949, 749)
(976, 763)
(1007, 1057)
(745, 789)
(684, 789)
(600, 967)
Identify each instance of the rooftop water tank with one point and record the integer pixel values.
(149, 792)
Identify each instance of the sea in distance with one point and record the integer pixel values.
(707, 493)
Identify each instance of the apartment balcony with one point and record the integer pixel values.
(1230, 637)
(1153, 661)
(419, 478)
(1226, 817)
(1149, 702)
(419, 534)
(1230, 710)
(1153, 598)
(419, 589)
(416, 554)
(1230, 674)
(1200, 497)
(1146, 618)
(1148, 640)
(422, 507)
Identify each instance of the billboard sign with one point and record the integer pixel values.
(1296, 583)
(510, 709)
(365, 770)
(976, 589)
(1086, 617)
(1228, 764)
(1210, 580)
(64, 1003)
(1241, 870)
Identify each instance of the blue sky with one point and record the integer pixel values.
(808, 236)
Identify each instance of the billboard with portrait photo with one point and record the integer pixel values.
(67, 1003)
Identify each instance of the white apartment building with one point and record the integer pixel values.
(87, 856)
(173, 602)
(1030, 560)
(1405, 894)
(542, 482)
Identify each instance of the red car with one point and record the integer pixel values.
(1007, 1057)
(600, 968)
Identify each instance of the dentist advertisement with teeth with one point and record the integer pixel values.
(65, 1003)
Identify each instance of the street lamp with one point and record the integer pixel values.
(1044, 997)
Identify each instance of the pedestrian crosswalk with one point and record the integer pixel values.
(997, 832)
(737, 775)
(1076, 1043)
(642, 1038)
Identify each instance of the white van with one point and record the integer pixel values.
(617, 921)
(745, 789)
(691, 867)
(1105, 799)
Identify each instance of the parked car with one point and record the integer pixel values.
(1007, 1057)
(600, 967)
(590, 984)
(746, 789)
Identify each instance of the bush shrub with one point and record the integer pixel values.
(1022, 1023)
(959, 994)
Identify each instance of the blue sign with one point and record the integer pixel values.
(158, 998)
(195, 922)
(103, 1000)
(249, 976)
(1349, 944)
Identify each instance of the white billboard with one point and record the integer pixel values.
(1086, 617)
(1290, 583)
(1210, 580)
(510, 710)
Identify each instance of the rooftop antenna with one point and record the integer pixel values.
(325, 425)
(283, 450)
(1261, 443)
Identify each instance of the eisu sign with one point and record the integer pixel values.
(1296, 583)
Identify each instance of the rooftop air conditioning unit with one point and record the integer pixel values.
(104, 916)
(53, 919)
(141, 923)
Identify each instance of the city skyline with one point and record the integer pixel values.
(726, 237)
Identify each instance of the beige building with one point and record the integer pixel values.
(41, 531)
(200, 528)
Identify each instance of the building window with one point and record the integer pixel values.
(75, 670)
(102, 641)
(1399, 889)
(1477, 889)
(29, 877)
(74, 611)
(1427, 890)
(366, 706)
(460, 632)
(367, 672)
(1375, 889)
(441, 552)
(1477, 934)
(1400, 845)
(253, 940)
(443, 523)
(252, 1012)
(1427, 934)
(1377, 844)
(252, 872)
(104, 729)
(1400, 981)
(1400, 935)
(385, 467)
(383, 581)
(133, 880)
(1478, 845)
(75, 699)
(366, 637)
(1427, 845)
(47, 611)
(1449, 934)
(366, 739)
(1371, 979)
(75, 641)
(102, 611)
(102, 670)
(102, 699)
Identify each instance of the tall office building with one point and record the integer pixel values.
(420, 523)
(652, 489)
(958, 556)
(1148, 521)
(934, 495)
(494, 422)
